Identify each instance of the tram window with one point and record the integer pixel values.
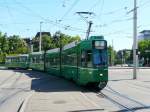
(89, 57)
(99, 57)
(86, 58)
(39, 59)
(20, 59)
(71, 59)
(83, 59)
(33, 58)
(42, 59)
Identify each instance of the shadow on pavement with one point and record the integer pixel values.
(44, 82)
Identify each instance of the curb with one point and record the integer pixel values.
(24, 104)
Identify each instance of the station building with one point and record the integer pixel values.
(143, 35)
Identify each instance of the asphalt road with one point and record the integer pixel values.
(56, 94)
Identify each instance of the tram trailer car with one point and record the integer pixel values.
(84, 62)
(17, 61)
(36, 61)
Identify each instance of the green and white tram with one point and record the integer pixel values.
(36, 61)
(85, 62)
(17, 61)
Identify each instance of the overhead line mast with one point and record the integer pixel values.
(135, 45)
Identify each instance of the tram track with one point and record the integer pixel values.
(124, 103)
(19, 90)
(8, 91)
(121, 106)
(7, 79)
(108, 98)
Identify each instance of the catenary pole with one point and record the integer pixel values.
(135, 46)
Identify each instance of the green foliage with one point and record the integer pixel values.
(111, 55)
(143, 46)
(11, 45)
(46, 42)
(2, 57)
(124, 56)
(62, 39)
(17, 45)
(50, 42)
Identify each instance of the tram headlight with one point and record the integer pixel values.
(100, 75)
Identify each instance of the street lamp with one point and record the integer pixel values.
(58, 35)
(40, 42)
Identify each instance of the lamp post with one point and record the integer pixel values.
(40, 42)
(60, 52)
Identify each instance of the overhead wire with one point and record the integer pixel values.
(47, 20)
(101, 10)
(8, 10)
(115, 11)
(145, 3)
(94, 5)
(73, 28)
(70, 9)
(113, 22)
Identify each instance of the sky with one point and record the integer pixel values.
(110, 18)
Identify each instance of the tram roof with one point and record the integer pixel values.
(70, 45)
(19, 55)
(53, 50)
(35, 53)
(97, 37)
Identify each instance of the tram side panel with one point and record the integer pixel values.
(69, 63)
(53, 63)
(36, 62)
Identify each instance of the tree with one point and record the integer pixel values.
(46, 42)
(65, 39)
(46, 45)
(17, 45)
(111, 55)
(3, 47)
(4, 43)
(144, 47)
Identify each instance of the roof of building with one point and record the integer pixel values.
(145, 31)
(43, 33)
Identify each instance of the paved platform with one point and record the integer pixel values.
(60, 95)
(40, 92)
(61, 102)
(64, 96)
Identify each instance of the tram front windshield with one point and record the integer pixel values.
(99, 53)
